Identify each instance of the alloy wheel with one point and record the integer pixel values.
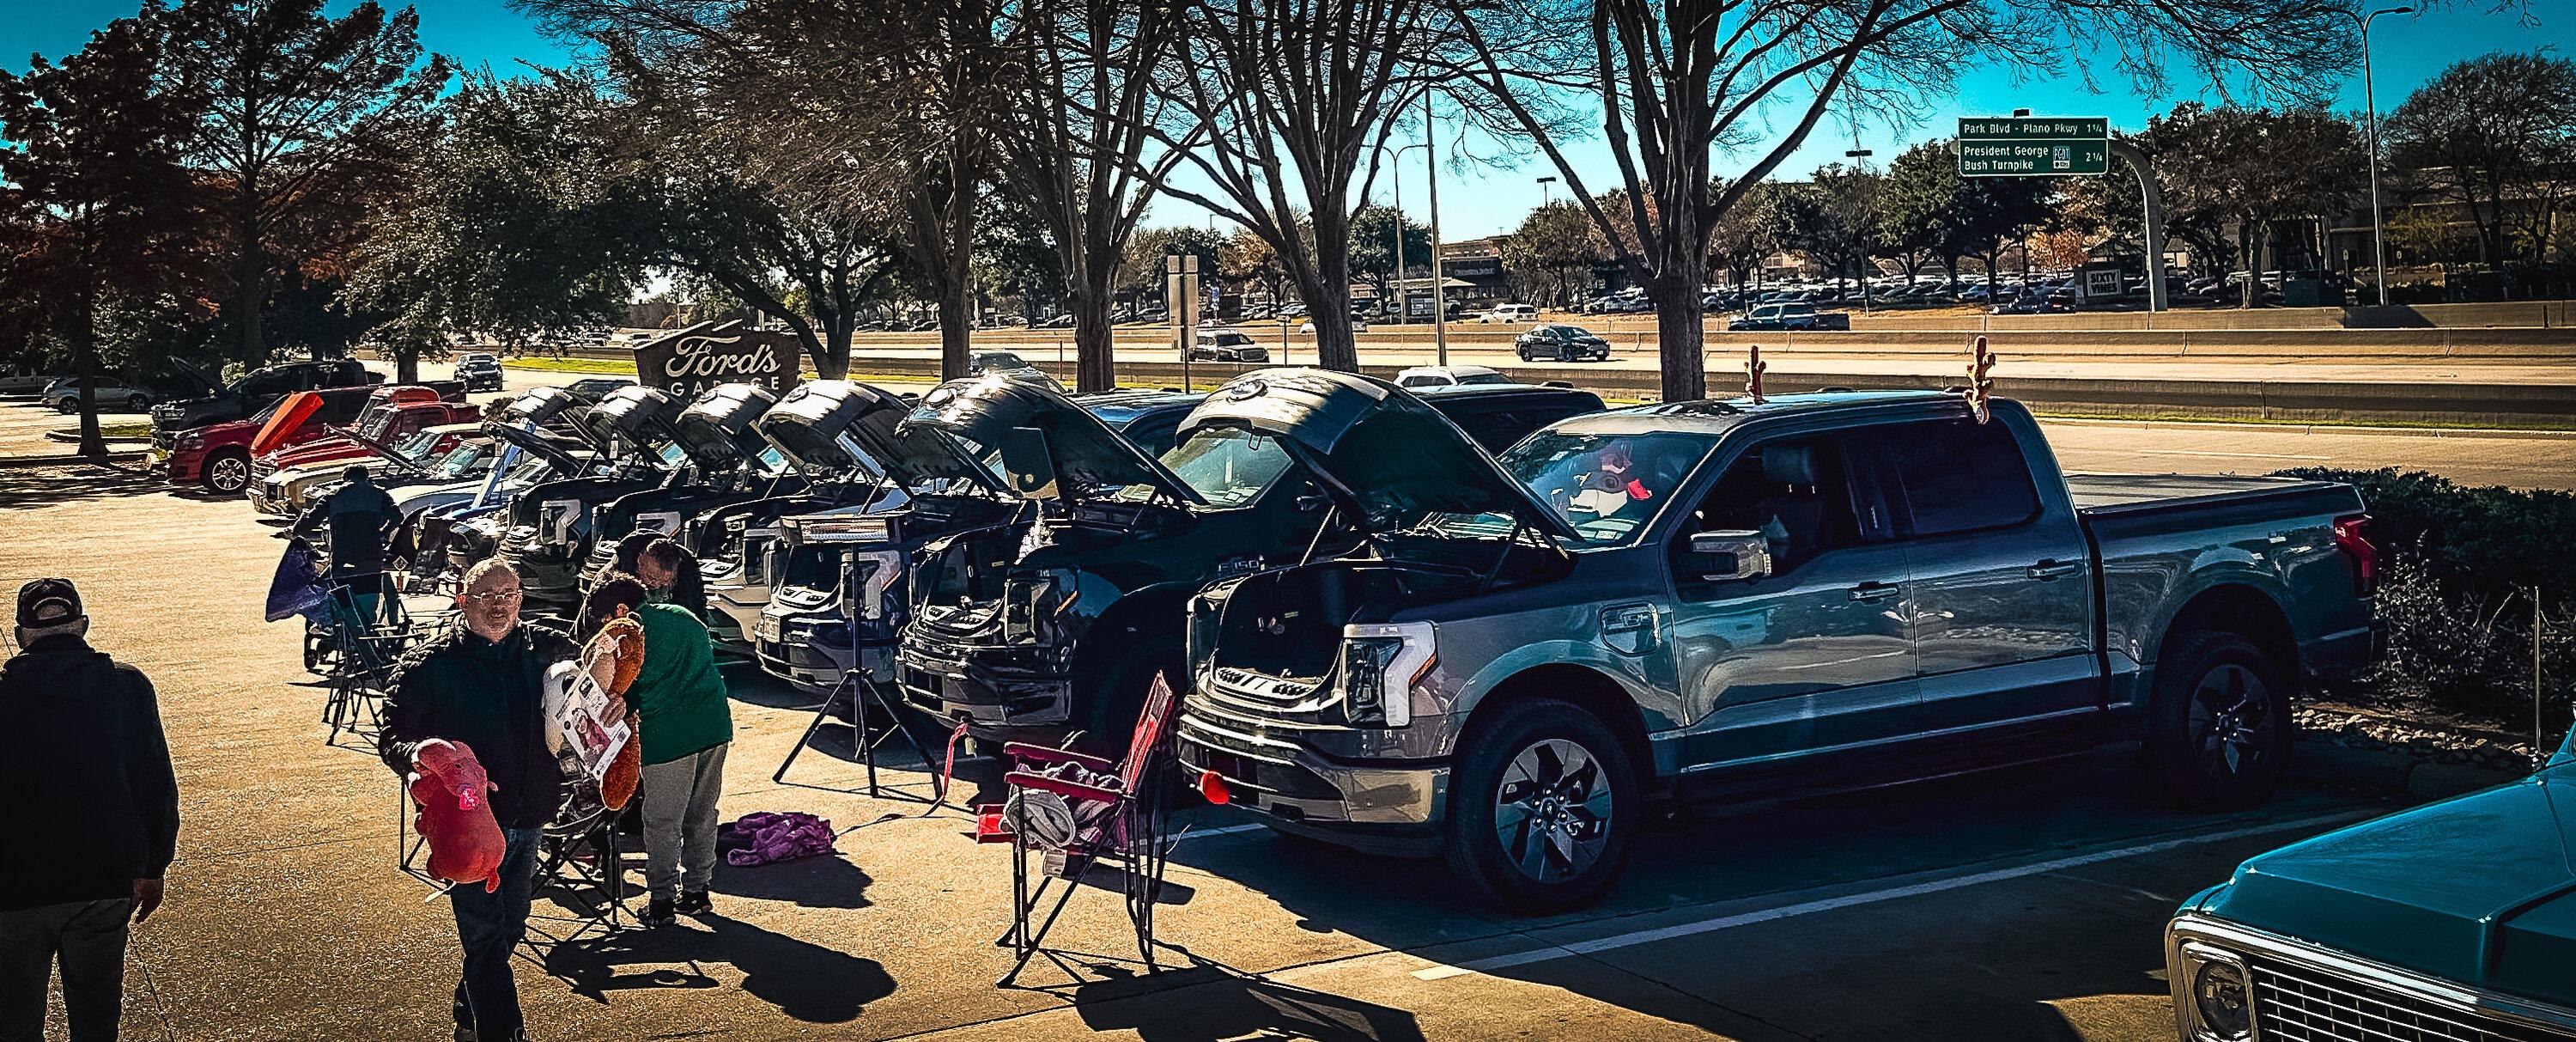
(1552, 811)
(229, 474)
(2231, 727)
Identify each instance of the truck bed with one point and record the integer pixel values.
(2113, 495)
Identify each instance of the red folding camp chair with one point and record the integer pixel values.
(1115, 823)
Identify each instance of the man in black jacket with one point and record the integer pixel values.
(362, 518)
(89, 817)
(483, 687)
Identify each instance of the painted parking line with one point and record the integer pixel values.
(1727, 922)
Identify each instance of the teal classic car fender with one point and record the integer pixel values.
(2460, 913)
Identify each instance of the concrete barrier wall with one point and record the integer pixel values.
(2024, 344)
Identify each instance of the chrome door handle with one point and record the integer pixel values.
(1871, 591)
(1627, 617)
(2046, 570)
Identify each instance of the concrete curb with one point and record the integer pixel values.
(2382, 770)
(70, 458)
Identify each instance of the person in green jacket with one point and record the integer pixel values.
(684, 724)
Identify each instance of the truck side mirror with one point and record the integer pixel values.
(1731, 556)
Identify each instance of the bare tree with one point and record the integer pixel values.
(1283, 106)
(1675, 81)
(1073, 143)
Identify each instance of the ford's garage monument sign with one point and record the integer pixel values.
(686, 362)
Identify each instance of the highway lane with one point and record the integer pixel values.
(2524, 459)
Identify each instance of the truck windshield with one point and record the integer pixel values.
(1227, 466)
(1604, 486)
(461, 460)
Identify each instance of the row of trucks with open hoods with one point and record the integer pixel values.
(1493, 624)
(299, 428)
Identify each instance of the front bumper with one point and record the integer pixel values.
(1384, 806)
(788, 648)
(2300, 990)
(181, 466)
(995, 690)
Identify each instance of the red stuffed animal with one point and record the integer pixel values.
(465, 843)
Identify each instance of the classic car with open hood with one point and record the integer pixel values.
(371, 440)
(859, 556)
(220, 456)
(545, 534)
(728, 462)
(1741, 600)
(407, 455)
(1061, 620)
(2454, 920)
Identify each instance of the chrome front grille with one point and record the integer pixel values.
(2295, 1003)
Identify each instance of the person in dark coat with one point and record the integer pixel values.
(362, 519)
(482, 686)
(89, 823)
(670, 573)
(630, 549)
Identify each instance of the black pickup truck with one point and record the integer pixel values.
(256, 390)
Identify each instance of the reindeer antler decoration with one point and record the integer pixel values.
(1981, 380)
(1753, 367)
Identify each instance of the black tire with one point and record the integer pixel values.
(2218, 723)
(1106, 712)
(137, 403)
(226, 473)
(1522, 762)
(67, 406)
(1565, 356)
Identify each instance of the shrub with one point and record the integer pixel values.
(2454, 608)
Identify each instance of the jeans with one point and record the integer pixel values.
(680, 821)
(490, 926)
(88, 937)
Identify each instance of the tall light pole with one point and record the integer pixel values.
(2370, 107)
(1431, 172)
(1546, 195)
(1395, 169)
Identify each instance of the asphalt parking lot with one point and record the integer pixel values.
(2022, 905)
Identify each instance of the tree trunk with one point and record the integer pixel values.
(954, 338)
(2249, 250)
(93, 442)
(407, 364)
(250, 286)
(837, 329)
(1095, 366)
(1679, 334)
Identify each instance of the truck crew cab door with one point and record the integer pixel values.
(1814, 658)
(2001, 579)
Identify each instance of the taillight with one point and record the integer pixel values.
(2352, 534)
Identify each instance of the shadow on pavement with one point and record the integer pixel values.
(69, 483)
(1211, 1002)
(804, 980)
(814, 882)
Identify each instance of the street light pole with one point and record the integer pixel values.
(1431, 172)
(1395, 170)
(1546, 196)
(2370, 107)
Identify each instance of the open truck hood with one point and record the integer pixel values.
(537, 443)
(1387, 457)
(826, 426)
(984, 415)
(636, 419)
(284, 421)
(716, 429)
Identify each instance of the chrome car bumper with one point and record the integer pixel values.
(2299, 990)
(1291, 782)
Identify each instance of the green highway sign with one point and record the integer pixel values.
(2028, 146)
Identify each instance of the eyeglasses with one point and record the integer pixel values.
(495, 597)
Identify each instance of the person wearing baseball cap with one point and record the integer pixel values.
(90, 822)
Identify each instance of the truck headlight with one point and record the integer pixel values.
(1381, 665)
(1029, 603)
(2221, 996)
(192, 440)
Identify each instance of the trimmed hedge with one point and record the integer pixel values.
(2461, 565)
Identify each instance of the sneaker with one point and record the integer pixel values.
(464, 1034)
(658, 913)
(693, 902)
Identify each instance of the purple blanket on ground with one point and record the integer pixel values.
(764, 838)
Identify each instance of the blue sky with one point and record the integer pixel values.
(2406, 51)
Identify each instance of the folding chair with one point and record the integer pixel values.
(582, 866)
(358, 662)
(1118, 817)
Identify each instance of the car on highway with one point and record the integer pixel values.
(1225, 345)
(1358, 325)
(1731, 601)
(591, 390)
(1010, 367)
(1561, 343)
(2453, 920)
(1422, 376)
(113, 394)
(1506, 314)
(1797, 315)
(1061, 621)
(480, 371)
